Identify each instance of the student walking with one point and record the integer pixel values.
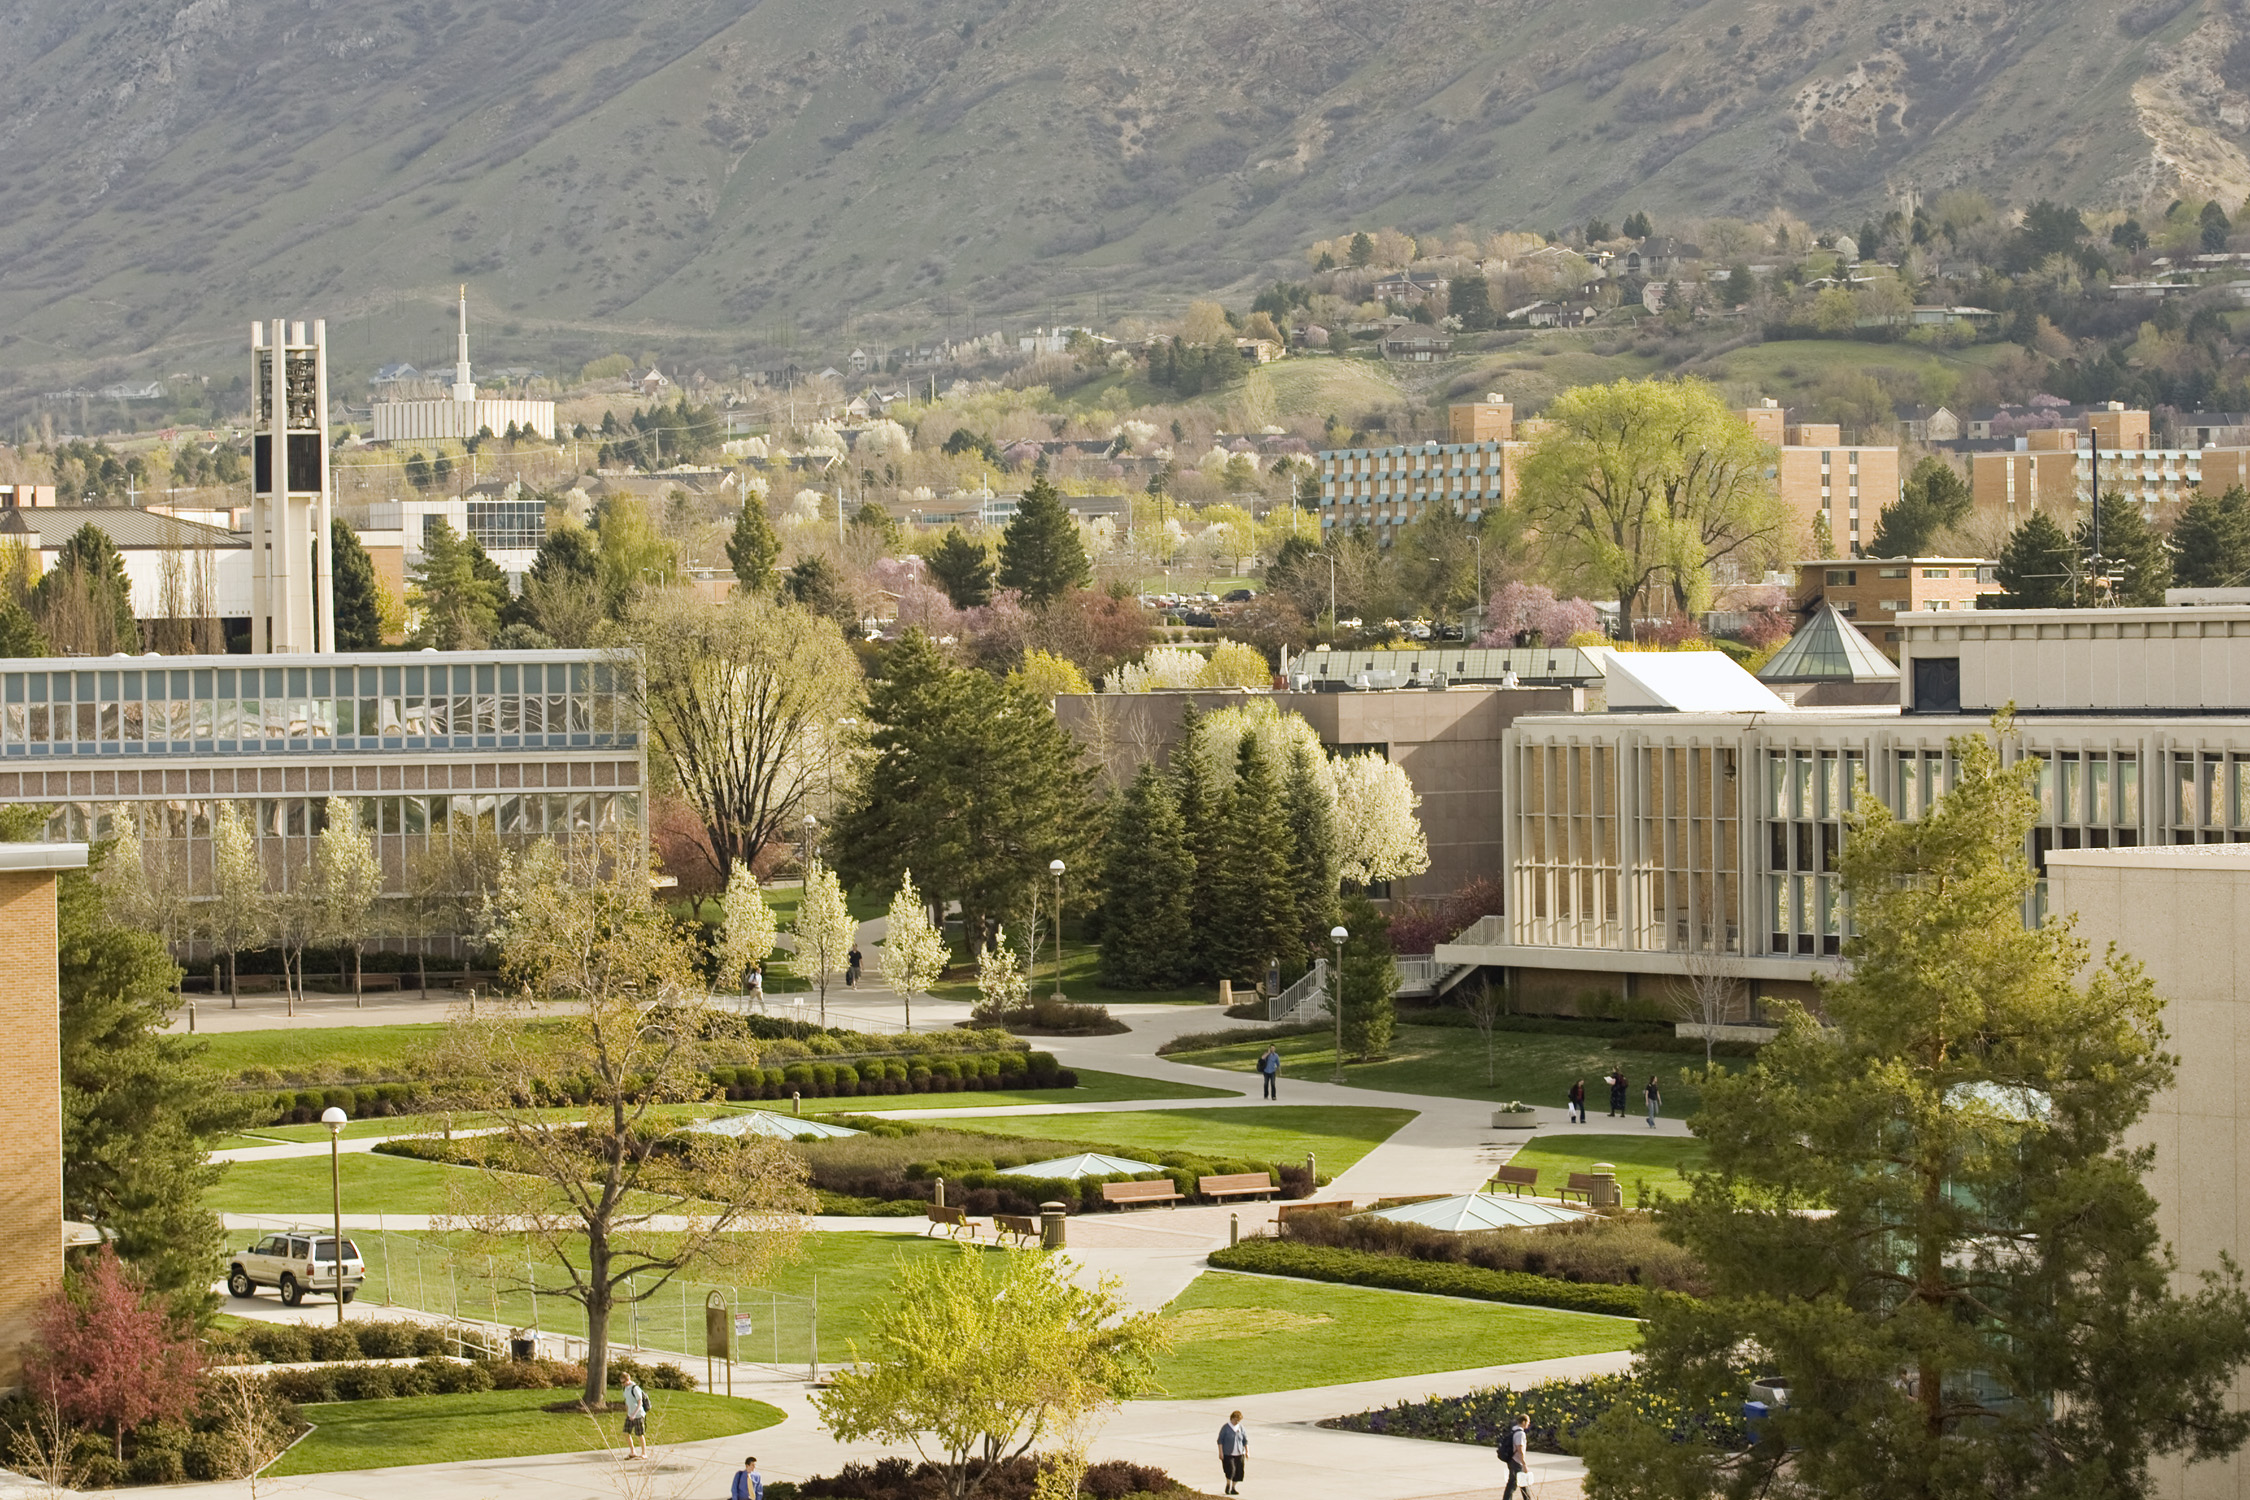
(1616, 1082)
(1234, 1448)
(1578, 1102)
(851, 967)
(1270, 1067)
(758, 986)
(749, 1484)
(1654, 1098)
(1515, 1452)
(636, 1419)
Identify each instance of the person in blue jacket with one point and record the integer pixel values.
(1234, 1448)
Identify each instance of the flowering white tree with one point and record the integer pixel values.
(883, 438)
(347, 880)
(1380, 837)
(1219, 737)
(1164, 667)
(1001, 981)
(913, 952)
(747, 926)
(824, 933)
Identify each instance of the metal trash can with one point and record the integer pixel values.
(522, 1349)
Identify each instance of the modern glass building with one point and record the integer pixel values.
(429, 748)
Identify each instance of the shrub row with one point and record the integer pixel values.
(982, 1188)
(1559, 1410)
(448, 1377)
(1362, 1268)
(302, 1343)
(1620, 1251)
(913, 1074)
(1009, 1479)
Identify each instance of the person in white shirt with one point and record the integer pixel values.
(1234, 1448)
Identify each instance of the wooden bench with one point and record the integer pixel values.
(955, 1220)
(1237, 1185)
(1284, 1212)
(1025, 1227)
(1582, 1185)
(1518, 1178)
(1154, 1190)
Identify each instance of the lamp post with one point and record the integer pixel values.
(1055, 868)
(806, 858)
(1337, 935)
(334, 1119)
(1332, 593)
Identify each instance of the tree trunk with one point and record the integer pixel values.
(234, 982)
(597, 1323)
(359, 974)
(422, 971)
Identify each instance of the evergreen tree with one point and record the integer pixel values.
(85, 598)
(2215, 227)
(1741, 286)
(1314, 849)
(2211, 541)
(1636, 226)
(1254, 915)
(969, 783)
(2036, 565)
(1201, 798)
(753, 547)
(455, 591)
(1148, 877)
(1040, 553)
(140, 1111)
(1370, 980)
(817, 585)
(1933, 498)
(1469, 298)
(358, 595)
(1983, 1304)
(962, 568)
(562, 594)
(2133, 552)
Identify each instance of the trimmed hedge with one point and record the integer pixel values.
(1363, 1268)
(302, 1343)
(452, 1377)
(1559, 1410)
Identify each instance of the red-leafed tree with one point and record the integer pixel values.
(109, 1354)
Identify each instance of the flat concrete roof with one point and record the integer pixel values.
(43, 856)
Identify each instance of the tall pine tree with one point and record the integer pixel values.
(753, 546)
(1201, 798)
(1370, 980)
(2133, 552)
(1254, 912)
(2037, 564)
(962, 568)
(1040, 553)
(1148, 877)
(359, 596)
(2211, 541)
(1314, 847)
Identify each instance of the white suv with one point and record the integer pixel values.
(296, 1262)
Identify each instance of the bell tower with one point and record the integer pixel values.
(292, 603)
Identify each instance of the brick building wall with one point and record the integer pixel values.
(31, 1201)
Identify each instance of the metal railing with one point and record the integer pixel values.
(1304, 1000)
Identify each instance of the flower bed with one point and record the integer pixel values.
(1559, 1410)
(1010, 1479)
(1363, 1268)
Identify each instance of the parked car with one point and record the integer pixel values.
(295, 1262)
(1238, 596)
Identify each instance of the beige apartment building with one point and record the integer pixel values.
(31, 1196)
(1818, 474)
(1873, 592)
(2054, 469)
(1384, 488)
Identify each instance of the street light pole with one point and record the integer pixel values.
(806, 858)
(1331, 598)
(1055, 869)
(334, 1119)
(1337, 935)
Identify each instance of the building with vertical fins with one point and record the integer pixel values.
(461, 413)
(292, 603)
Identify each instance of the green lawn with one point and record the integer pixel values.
(1081, 964)
(1094, 1087)
(345, 1052)
(378, 1126)
(1340, 1134)
(498, 1424)
(852, 1273)
(1653, 1161)
(1449, 1060)
(1238, 1335)
(299, 1186)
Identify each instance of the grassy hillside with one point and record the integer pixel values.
(709, 181)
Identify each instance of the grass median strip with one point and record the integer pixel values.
(1654, 1162)
(1338, 1134)
(1401, 1273)
(498, 1424)
(1239, 1335)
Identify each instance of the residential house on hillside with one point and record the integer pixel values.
(1929, 424)
(1660, 256)
(1554, 314)
(652, 382)
(1410, 288)
(1421, 345)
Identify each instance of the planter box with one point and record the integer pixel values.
(1506, 1120)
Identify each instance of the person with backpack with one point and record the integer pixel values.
(851, 967)
(1515, 1452)
(749, 1484)
(636, 1418)
(1269, 1067)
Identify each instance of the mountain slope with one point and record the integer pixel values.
(717, 175)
